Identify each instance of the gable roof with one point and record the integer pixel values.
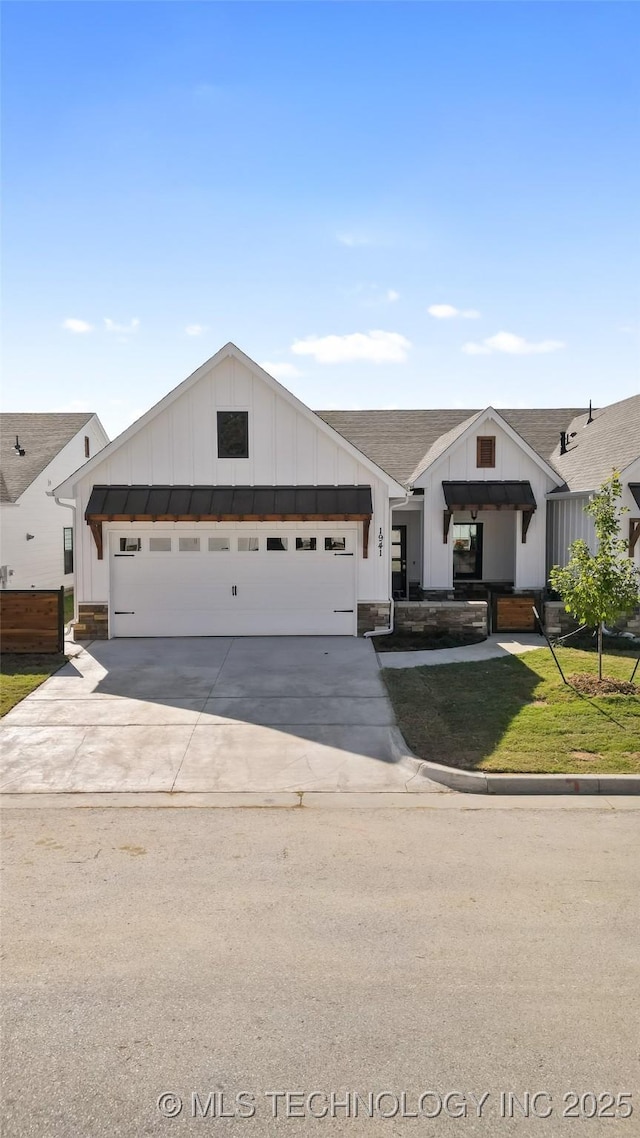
(398, 441)
(43, 436)
(67, 488)
(611, 441)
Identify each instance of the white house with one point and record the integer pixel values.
(231, 508)
(36, 536)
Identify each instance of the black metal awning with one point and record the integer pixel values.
(635, 490)
(228, 502)
(487, 495)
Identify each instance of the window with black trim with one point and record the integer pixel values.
(277, 544)
(485, 451)
(87, 447)
(233, 434)
(68, 549)
(130, 544)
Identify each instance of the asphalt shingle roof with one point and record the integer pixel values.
(400, 441)
(42, 436)
(611, 441)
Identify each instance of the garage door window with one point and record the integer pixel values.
(159, 545)
(130, 544)
(219, 545)
(248, 544)
(335, 543)
(189, 544)
(275, 544)
(305, 543)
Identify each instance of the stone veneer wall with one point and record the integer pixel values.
(558, 622)
(92, 622)
(372, 615)
(441, 616)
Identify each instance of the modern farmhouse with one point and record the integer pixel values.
(231, 508)
(36, 452)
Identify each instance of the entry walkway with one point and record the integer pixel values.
(500, 644)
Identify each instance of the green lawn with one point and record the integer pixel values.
(515, 714)
(21, 674)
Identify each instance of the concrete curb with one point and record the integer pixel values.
(485, 782)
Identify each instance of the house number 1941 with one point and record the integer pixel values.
(380, 541)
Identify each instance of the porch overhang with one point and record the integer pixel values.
(488, 495)
(228, 504)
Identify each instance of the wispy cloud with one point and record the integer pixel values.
(512, 345)
(392, 295)
(195, 329)
(353, 240)
(449, 312)
(376, 347)
(77, 326)
(122, 329)
(281, 370)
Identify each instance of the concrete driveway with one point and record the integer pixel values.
(209, 714)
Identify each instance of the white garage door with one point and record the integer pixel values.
(206, 582)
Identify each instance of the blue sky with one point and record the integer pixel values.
(309, 181)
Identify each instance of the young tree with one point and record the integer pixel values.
(598, 588)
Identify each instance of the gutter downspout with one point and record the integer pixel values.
(69, 506)
(390, 629)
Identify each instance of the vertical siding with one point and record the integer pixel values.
(566, 522)
(512, 463)
(285, 447)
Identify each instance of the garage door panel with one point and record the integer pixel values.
(203, 592)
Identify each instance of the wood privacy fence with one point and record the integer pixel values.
(32, 620)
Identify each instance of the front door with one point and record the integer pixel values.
(399, 562)
(467, 551)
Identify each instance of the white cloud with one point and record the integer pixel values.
(377, 347)
(281, 370)
(194, 329)
(77, 326)
(448, 312)
(353, 240)
(122, 329)
(392, 295)
(512, 345)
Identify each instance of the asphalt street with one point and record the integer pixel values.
(225, 958)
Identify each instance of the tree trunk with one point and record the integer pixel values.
(600, 651)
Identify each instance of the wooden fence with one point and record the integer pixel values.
(514, 613)
(32, 620)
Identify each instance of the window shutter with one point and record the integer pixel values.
(486, 451)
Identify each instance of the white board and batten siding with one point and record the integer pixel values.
(513, 463)
(286, 447)
(38, 561)
(567, 520)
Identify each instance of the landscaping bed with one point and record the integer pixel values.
(22, 674)
(425, 641)
(514, 714)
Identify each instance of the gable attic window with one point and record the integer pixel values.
(87, 447)
(486, 450)
(233, 434)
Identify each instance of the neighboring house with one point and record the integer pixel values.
(231, 508)
(36, 536)
(594, 444)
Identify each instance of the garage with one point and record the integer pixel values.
(233, 581)
(231, 560)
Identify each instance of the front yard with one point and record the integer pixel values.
(22, 674)
(514, 714)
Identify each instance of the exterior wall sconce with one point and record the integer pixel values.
(30, 536)
(474, 515)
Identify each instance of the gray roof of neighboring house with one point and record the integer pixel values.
(400, 441)
(43, 436)
(611, 441)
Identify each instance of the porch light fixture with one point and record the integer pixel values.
(18, 449)
(474, 515)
